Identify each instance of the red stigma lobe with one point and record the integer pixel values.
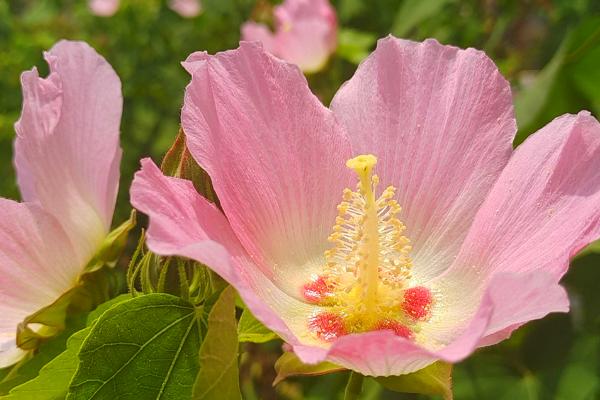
(316, 291)
(417, 302)
(328, 326)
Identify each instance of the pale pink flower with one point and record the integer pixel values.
(483, 238)
(186, 8)
(67, 159)
(305, 33)
(104, 8)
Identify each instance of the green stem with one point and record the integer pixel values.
(354, 386)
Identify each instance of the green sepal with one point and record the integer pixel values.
(290, 365)
(252, 330)
(112, 246)
(52, 318)
(178, 162)
(435, 379)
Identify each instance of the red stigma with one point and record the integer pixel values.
(396, 327)
(328, 326)
(417, 302)
(316, 291)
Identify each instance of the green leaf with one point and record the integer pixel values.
(290, 365)
(413, 12)
(435, 379)
(252, 330)
(354, 45)
(139, 349)
(219, 374)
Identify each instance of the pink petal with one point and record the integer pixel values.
(194, 60)
(67, 148)
(545, 206)
(104, 8)
(536, 295)
(543, 209)
(186, 8)
(184, 223)
(275, 154)
(37, 265)
(441, 121)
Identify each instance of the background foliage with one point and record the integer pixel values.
(549, 51)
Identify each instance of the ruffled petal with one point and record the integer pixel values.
(37, 265)
(441, 121)
(67, 148)
(275, 154)
(534, 296)
(543, 209)
(183, 223)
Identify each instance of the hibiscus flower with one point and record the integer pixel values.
(67, 158)
(305, 33)
(395, 228)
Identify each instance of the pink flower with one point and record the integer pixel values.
(186, 8)
(104, 8)
(483, 237)
(305, 33)
(67, 159)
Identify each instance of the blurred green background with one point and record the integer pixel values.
(549, 50)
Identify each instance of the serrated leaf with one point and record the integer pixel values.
(435, 379)
(139, 349)
(290, 365)
(252, 330)
(218, 378)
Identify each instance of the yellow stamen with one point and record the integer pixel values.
(369, 265)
